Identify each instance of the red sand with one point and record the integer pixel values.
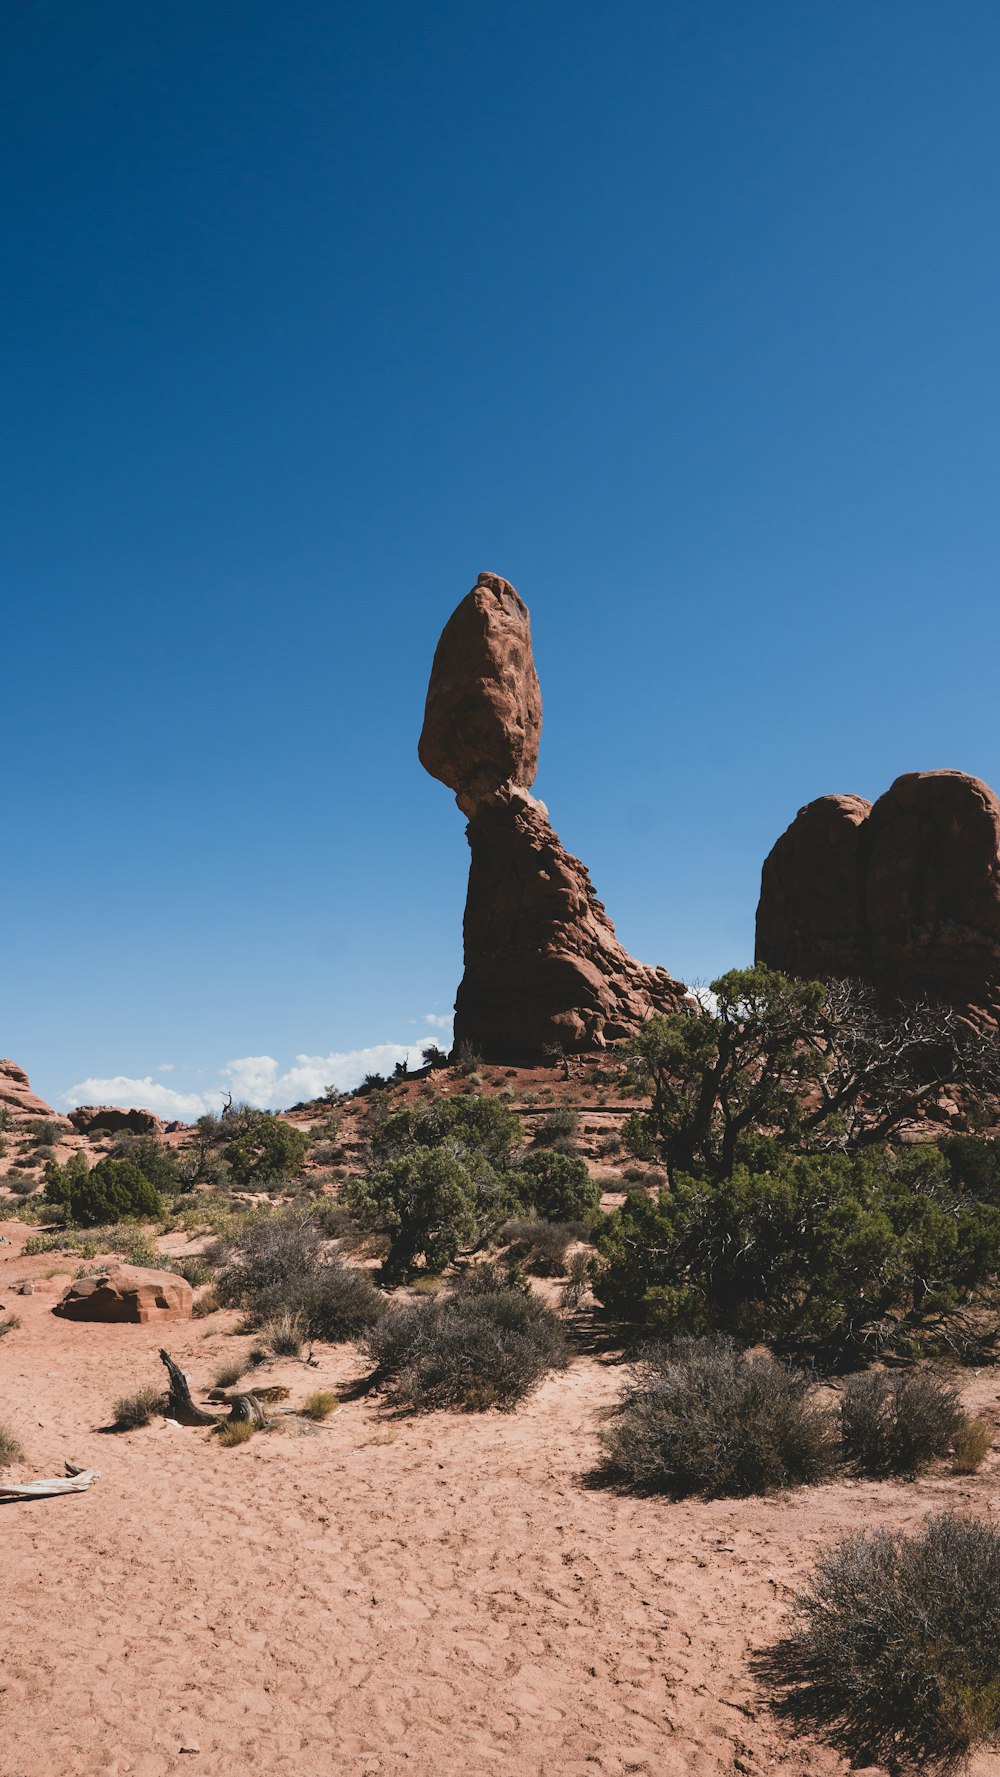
(429, 1596)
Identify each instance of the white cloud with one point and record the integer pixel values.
(439, 1020)
(165, 1067)
(148, 1093)
(258, 1079)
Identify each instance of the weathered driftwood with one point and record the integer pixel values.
(182, 1408)
(77, 1480)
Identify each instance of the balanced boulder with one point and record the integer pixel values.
(128, 1293)
(543, 968)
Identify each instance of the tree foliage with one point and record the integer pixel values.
(826, 1253)
(804, 1065)
(111, 1191)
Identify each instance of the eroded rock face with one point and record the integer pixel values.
(87, 1119)
(16, 1094)
(127, 1293)
(904, 894)
(543, 967)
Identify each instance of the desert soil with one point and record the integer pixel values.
(431, 1595)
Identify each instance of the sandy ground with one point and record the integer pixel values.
(377, 1595)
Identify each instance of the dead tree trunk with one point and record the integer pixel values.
(182, 1408)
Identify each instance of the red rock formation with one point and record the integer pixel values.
(127, 1293)
(16, 1095)
(91, 1119)
(905, 894)
(543, 966)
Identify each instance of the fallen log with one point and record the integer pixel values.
(76, 1481)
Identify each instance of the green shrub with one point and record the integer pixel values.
(485, 1346)
(154, 1159)
(431, 1203)
(557, 1186)
(703, 1417)
(264, 1150)
(135, 1410)
(111, 1191)
(894, 1651)
(465, 1124)
(559, 1130)
(45, 1132)
(894, 1423)
(838, 1256)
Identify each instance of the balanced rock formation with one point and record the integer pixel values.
(904, 894)
(16, 1095)
(92, 1119)
(543, 967)
(128, 1293)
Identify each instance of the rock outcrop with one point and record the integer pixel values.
(127, 1293)
(93, 1119)
(16, 1095)
(543, 967)
(904, 894)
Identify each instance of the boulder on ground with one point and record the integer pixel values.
(128, 1293)
(89, 1119)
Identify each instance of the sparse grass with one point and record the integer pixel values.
(894, 1652)
(228, 1375)
(283, 1334)
(319, 1405)
(207, 1303)
(10, 1324)
(11, 1448)
(235, 1431)
(485, 1346)
(972, 1443)
(896, 1422)
(194, 1268)
(135, 1410)
(703, 1417)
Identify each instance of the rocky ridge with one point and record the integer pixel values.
(904, 894)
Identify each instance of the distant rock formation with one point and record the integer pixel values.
(904, 894)
(94, 1119)
(16, 1095)
(543, 967)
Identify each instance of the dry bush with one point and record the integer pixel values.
(229, 1374)
(319, 1405)
(235, 1431)
(207, 1303)
(894, 1653)
(11, 1448)
(484, 1346)
(283, 1334)
(10, 1324)
(703, 1417)
(896, 1422)
(135, 1410)
(541, 1246)
(278, 1267)
(972, 1443)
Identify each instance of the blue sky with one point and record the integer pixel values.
(681, 316)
